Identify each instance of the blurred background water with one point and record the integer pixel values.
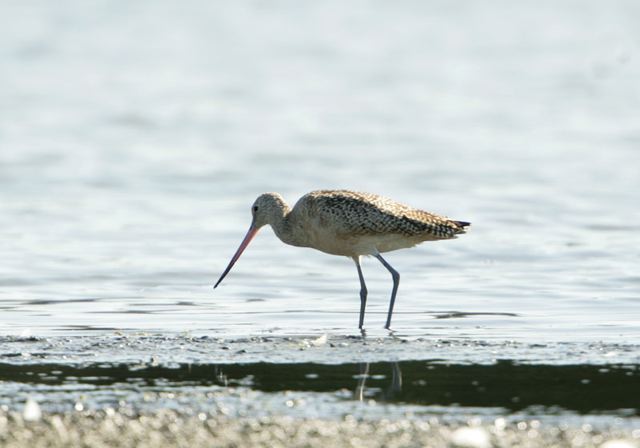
(134, 137)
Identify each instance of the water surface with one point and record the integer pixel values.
(134, 137)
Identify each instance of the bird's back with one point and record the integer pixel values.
(351, 214)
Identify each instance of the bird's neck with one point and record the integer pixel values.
(284, 227)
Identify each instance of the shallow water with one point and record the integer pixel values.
(134, 138)
(133, 145)
(327, 379)
(321, 390)
(565, 385)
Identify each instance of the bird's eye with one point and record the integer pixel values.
(255, 208)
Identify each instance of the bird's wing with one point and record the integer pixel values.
(353, 213)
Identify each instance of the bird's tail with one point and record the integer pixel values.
(461, 226)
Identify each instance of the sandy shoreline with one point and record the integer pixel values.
(166, 428)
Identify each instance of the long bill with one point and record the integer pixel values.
(245, 242)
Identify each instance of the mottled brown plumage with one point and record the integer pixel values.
(343, 222)
(356, 213)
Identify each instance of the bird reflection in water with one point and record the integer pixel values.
(387, 394)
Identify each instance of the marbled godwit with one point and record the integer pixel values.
(342, 222)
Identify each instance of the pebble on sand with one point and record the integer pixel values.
(31, 411)
(469, 437)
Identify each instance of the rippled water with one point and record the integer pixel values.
(134, 138)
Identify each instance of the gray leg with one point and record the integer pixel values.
(396, 281)
(363, 292)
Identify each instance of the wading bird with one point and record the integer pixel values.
(343, 222)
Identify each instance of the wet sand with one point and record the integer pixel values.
(146, 347)
(166, 428)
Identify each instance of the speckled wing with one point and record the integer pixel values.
(353, 213)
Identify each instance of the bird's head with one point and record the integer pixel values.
(268, 208)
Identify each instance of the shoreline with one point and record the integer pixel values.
(168, 428)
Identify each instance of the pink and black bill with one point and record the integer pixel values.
(245, 242)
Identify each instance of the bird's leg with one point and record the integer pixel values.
(363, 291)
(396, 281)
